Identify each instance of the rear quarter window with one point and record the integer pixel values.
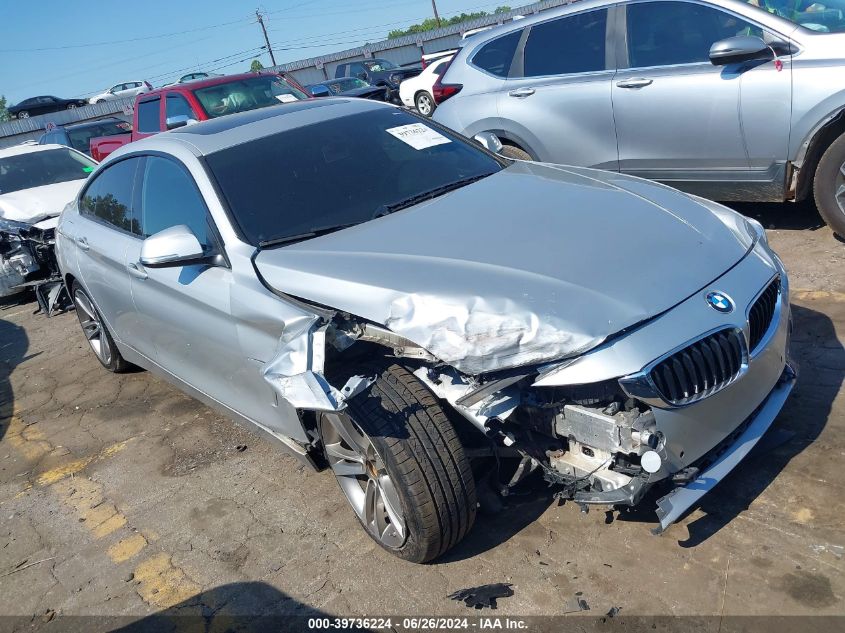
(496, 56)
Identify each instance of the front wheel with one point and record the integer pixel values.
(402, 467)
(425, 104)
(71, 106)
(23, 114)
(829, 186)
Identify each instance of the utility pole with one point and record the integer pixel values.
(436, 14)
(267, 39)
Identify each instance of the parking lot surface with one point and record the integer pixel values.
(121, 496)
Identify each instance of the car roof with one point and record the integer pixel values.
(742, 7)
(16, 150)
(85, 124)
(202, 83)
(212, 136)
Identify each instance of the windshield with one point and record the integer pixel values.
(378, 65)
(826, 16)
(37, 169)
(350, 83)
(80, 139)
(246, 94)
(340, 172)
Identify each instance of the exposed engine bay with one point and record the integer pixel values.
(28, 261)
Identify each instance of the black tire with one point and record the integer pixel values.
(424, 103)
(112, 361)
(517, 153)
(23, 114)
(425, 459)
(826, 181)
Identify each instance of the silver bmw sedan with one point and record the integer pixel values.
(388, 299)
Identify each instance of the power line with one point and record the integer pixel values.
(126, 41)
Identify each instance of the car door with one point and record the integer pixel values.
(678, 117)
(102, 233)
(557, 96)
(183, 313)
(47, 105)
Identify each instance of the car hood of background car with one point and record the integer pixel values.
(32, 205)
(532, 264)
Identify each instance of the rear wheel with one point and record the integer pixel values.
(425, 103)
(402, 467)
(71, 106)
(829, 186)
(101, 342)
(517, 153)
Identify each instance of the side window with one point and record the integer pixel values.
(176, 105)
(148, 120)
(356, 69)
(169, 196)
(496, 56)
(109, 197)
(572, 44)
(667, 33)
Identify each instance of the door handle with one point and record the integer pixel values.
(521, 93)
(82, 243)
(634, 83)
(136, 271)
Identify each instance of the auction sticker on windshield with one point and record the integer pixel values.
(418, 135)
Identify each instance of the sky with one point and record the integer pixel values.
(68, 49)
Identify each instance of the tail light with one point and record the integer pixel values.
(424, 62)
(442, 91)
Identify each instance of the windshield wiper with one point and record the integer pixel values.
(387, 209)
(315, 232)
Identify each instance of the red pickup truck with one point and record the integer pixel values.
(182, 104)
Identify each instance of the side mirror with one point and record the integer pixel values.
(176, 246)
(320, 91)
(741, 48)
(179, 120)
(488, 141)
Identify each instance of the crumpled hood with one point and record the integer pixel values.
(532, 264)
(32, 205)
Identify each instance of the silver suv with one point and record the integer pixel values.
(721, 98)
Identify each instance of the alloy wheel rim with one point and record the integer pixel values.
(362, 476)
(92, 327)
(424, 104)
(839, 188)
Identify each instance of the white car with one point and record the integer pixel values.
(122, 91)
(416, 91)
(36, 182)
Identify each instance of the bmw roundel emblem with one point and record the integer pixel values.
(720, 302)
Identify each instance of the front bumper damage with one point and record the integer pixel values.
(28, 261)
(596, 424)
(724, 458)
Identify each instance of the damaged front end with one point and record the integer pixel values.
(28, 261)
(603, 442)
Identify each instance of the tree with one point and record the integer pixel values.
(255, 66)
(430, 24)
(4, 113)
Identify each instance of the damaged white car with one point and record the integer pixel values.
(390, 300)
(36, 182)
